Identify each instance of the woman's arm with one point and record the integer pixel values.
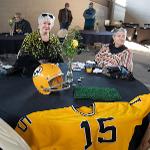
(126, 59)
(103, 51)
(26, 46)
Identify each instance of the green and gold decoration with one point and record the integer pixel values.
(96, 94)
(70, 50)
(11, 23)
(70, 44)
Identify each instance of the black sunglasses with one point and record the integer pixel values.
(44, 15)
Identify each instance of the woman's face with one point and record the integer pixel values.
(119, 38)
(45, 26)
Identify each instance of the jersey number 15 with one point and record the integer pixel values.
(102, 129)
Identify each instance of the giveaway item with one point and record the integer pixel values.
(48, 78)
(96, 94)
(119, 72)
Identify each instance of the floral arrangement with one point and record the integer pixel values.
(71, 43)
(11, 22)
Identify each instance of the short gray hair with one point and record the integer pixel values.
(115, 31)
(46, 16)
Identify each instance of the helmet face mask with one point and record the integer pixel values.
(54, 84)
(48, 78)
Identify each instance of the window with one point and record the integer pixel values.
(121, 2)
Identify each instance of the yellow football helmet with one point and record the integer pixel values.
(48, 77)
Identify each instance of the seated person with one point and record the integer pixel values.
(62, 33)
(40, 46)
(22, 26)
(116, 53)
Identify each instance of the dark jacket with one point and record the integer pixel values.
(22, 27)
(62, 16)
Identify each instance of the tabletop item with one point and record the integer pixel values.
(7, 66)
(11, 23)
(48, 78)
(96, 93)
(19, 95)
(118, 73)
(97, 70)
(2, 71)
(101, 126)
(89, 66)
(69, 47)
(78, 66)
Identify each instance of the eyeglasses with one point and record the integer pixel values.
(51, 16)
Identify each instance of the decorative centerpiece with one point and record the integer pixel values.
(11, 23)
(70, 50)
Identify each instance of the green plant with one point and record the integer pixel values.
(71, 43)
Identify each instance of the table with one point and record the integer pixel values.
(10, 44)
(18, 96)
(109, 27)
(90, 37)
(143, 35)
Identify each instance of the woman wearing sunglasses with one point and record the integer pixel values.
(39, 47)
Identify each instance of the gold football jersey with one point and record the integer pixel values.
(102, 126)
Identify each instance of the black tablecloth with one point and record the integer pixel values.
(10, 44)
(109, 28)
(18, 96)
(90, 37)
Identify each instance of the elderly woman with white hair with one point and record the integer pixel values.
(39, 47)
(116, 53)
(41, 44)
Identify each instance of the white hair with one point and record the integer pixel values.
(46, 17)
(115, 31)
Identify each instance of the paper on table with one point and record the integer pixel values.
(77, 66)
(7, 66)
(97, 70)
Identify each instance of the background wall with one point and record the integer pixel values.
(30, 10)
(118, 12)
(138, 11)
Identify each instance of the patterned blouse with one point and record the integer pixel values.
(34, 46)
(105, 57)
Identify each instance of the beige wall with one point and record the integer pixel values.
(118, 12)
(32, 8)
(138, 11)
